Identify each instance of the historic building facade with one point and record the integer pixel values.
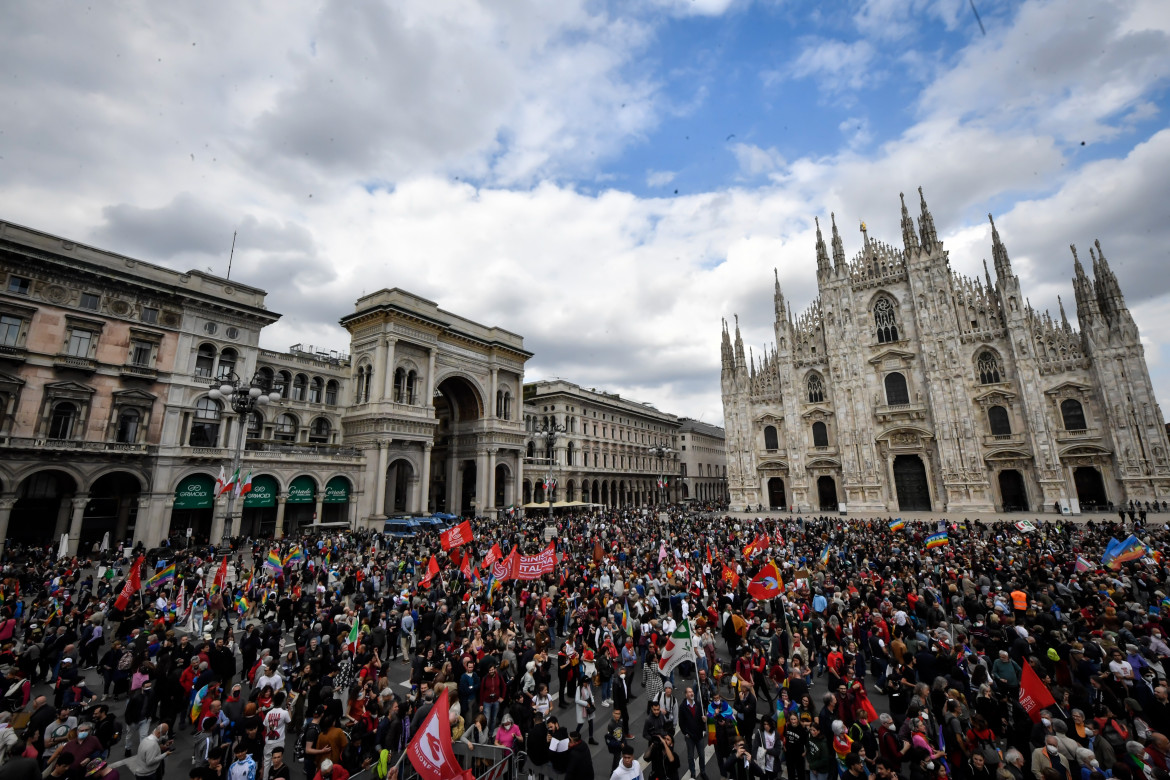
(702, 461)
(908, 386)
(612, 451)
(107, 424)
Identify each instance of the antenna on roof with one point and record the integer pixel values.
(232, 254)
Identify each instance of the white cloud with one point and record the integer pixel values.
(835, 65)
(856, 131)
(754, 161)
(659, 178)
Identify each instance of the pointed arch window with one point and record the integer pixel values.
(885, 320)
(816, 389)
(988, 367)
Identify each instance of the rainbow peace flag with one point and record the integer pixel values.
(163, 576)
(242, 605)
(825, 556)
(274, 562)
(897, 524)
(937, 540)
(197, 703)
(295, 555)
(626, 616)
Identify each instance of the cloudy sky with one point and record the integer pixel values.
(606, 179)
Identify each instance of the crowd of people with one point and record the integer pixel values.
(916, 654)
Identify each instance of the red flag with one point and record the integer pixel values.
(766, 585)
(709, 561)
(457, 558)
(493, 555)
(756, 546)
(431, 752)
(220, 576)
(730, 576)
(1034, 694)
(466, 568)
(459, 535)
(132, 586)
(432, 570)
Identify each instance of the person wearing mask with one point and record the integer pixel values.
(151, 753)
(1047, 756)
(622, 693)
(82, 745)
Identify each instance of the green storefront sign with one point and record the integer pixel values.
(263, 493)
(195, 492)
(302, 491)
(337, 491)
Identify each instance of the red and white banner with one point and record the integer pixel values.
(132, 586)
(526, 567)
(493, 555)
(431, 752)
(432, 570)
(457, 536)
(1034, 694)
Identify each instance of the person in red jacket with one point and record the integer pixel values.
(491, 693)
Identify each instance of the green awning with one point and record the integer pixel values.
(337, 491)
(302, 490)
(263, 493)
(195, 492)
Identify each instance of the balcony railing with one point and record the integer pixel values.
(12, 352)
(1080, 433)
(255, 445)
(139, 371)
(75, 445)
(1000, 439)
(75, 362)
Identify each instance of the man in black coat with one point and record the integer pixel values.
(580, 763)
(536, 745)
(692, 722)
(249, 648)
(621, 697)
(223, 661)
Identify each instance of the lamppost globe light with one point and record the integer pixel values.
(274, 396)
(226, 389)
(261, 400)
(214, 394)
(254, 392)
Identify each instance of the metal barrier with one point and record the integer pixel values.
(487, 762)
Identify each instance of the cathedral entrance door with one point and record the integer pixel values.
(910, 483)
(1012, 491)
(1090, 487)
(827, 492)
(776, 493)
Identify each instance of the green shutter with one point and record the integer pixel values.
(263, 493)
(195, 492)
(337, 491)
(302, 490)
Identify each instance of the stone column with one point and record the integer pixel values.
(412, 499)
(149, 523)
(489, 499)
(428, 401)
(78, 503)
(379, 509)
(518, 479)
(279, 534)
(7, 502)
(319, 510)
(425, 480)
(388, 385)
(481, 483)
(62, 525)
(453, 473)
(491, 415)
(124, 504)
(217, 519)
(378, 384)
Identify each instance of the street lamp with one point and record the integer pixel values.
(243, 398)
(660, 451)
(549, 431)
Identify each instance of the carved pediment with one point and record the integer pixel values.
(904, 435)
(1082, 449)
(998, 395)
(768, 418)
(900, 355)
(1068, 388)
(1008, 455)
(817, 412)
(68, 388)
(823, 463)
(133, 395)
(10, 381)
(773, 465)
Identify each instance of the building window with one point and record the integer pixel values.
(63, 420)
(255, 425)
(233, 333)
(399, 385)
(286, 428)
(988, 368)
(998, 421)
(227, 363)
(531, 449)
(128, 422)
(896, 391)
(316, 388)
(820, 433)
(90, 301)
(19, 285)
(300, 385)
(205, 426)
(885, 320)
(320, 430)
(411, 386)
(771, 440)
(210, 328)
(10, 330)
(1073, 415)
(816, 389)
(283, 380)
(80, 341)
(331, 392)
(141, 353)
(205, 361)
(149, 315)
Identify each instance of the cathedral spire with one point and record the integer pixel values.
(838, 249)
(909, 237)
(1086, 296)
(822, 253)
(987, 275)
(778, 298)
(725, 347)
(1105, 276)
(1063, 317)
(1003, 265)
(740, 360)
(926, 224)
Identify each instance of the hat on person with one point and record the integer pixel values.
(66, 660)
(94, 767)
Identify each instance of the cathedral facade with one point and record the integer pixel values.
(906, 386)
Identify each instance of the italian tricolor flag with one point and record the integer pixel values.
(223, 485)
(244, 486)
(351, 641)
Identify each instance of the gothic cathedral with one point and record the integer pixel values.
(907, 386)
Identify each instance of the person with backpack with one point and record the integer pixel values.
(307, 745)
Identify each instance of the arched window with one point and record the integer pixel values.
(127, 431)
(820, 433)
(266, 378)
(1073, 414)
(771, 441)
(816, 389)
(227, 363)
(286, 428)
(896, 390)
(205, 425)
(283, 382)
(300, 385)
(399, 385)
(507, 404)
(63, 420)
(316, 390)
(532, 449)
(885, 320)
(411, 387)
(205, 361)
(319, 431)
(499, 403)
(255, 425)
(569, 453)
(362, 391)
(331, 390)
(998, 421)
(988, 368)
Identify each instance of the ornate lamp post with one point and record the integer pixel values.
(243, 398)
(660, 451)
(549, 431)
